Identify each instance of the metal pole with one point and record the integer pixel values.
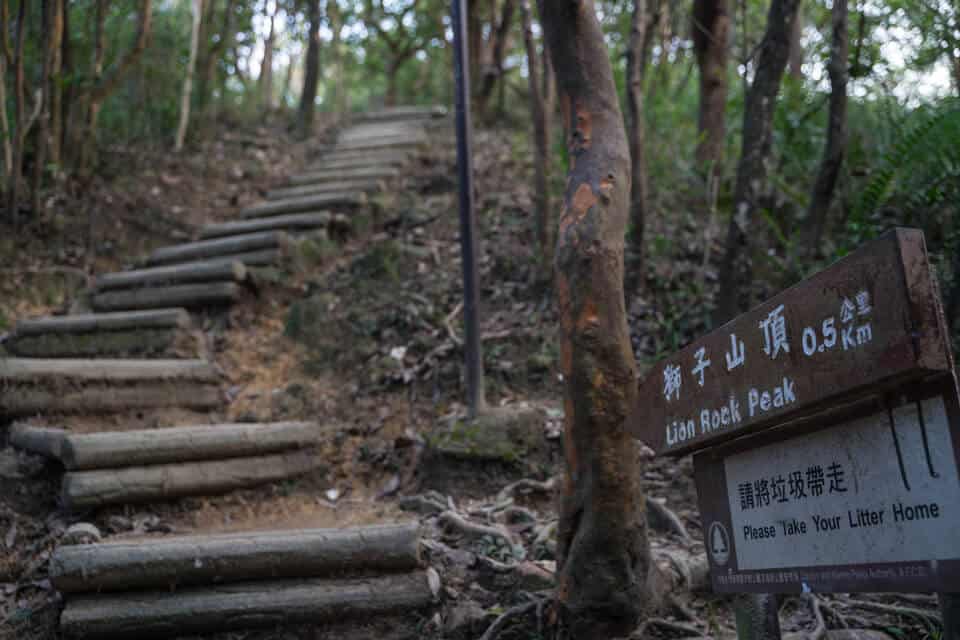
(756, 616)
(950, 608)
(468, 223)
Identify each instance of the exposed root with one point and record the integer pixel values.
(675, 627)
(929, 617)
(494, 629)
(821, 629)
(453, 520)
(661, 518)
(526, 485)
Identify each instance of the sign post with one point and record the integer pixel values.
(468, 224)
(825, 427)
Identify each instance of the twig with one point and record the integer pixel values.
(446, 322)
(494, 629)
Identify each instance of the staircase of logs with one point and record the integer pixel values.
(137, 348)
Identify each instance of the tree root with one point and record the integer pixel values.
(677, 627)
(453, 520)
(526, 485)
(661, 518)
(925, 616)
(494, 629)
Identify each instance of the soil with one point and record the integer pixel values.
(363, 335)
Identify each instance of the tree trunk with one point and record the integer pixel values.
(796, 48)
(711, 32)
(7, 154)
(638, 173)
(55, 83)
(833, 153)
(336, 45)
(62, 125)
(19, 119)
(605, 573)
(102, 86)
(390, 99)
(265, 79)
(736, 273)
(187, 94)
(312, 74)
(494, 71)
(41, 141)
(540, 183)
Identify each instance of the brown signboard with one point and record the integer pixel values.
(865, 500)
(869, 321)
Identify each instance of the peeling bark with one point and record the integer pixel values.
(736, 274)
(605, 571)
(835, 150)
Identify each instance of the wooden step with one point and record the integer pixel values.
(41, 385)
(165, 333)
(403, 113)
(108, 450)
(188, 272)
(258, 604)
(340, 200)
(303, 191)
(202, 294)
(337, 175)
(89, 489)
(174, 318)
(218, 248)
(340, 162)
(234, 557)
(396, 142)
(288, 223)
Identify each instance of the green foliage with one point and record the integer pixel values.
(918, 172)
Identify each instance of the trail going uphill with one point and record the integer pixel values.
(125, 401)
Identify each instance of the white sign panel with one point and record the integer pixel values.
(878, 489)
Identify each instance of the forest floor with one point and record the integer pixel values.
(364, 335)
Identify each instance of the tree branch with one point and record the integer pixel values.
(106, 86)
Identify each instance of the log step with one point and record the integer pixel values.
(289, 223)
(89, 489)
(404, 113)
(342, 200)
(107, 450)
(188, 272)
(234, 557)
(203, 294)
(337, 175)
(161, 333)
(362, 158)
(93, 322)
(218, 248)
(41, 385)
(267, 604)
(307, 190)
(397, 142)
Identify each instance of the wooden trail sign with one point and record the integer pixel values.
(868, 501)
(871, 321)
